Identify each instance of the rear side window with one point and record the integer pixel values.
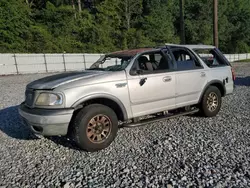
(211, 57)
(185, 60)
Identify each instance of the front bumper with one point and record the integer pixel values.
(47, 122)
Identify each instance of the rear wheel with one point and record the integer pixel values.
(95, 127)
(211, 102)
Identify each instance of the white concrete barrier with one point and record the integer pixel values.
(7, 64)
(237, 57)
(42, 63)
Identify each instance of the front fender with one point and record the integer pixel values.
(106, 96)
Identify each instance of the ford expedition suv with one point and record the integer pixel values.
(126, 89)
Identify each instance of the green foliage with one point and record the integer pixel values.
(199, 21)
(49, 26)
(14, 25)
(106, 26)
(40, 40)
(129, 11)
(158, 25)
(238, 14)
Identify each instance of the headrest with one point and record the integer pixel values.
(143, 59)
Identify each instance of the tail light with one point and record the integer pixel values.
(233, 74)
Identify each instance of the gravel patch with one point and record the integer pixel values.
(186, 151)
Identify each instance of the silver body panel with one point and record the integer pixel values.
(47, 124)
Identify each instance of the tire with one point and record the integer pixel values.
(211, 102)
(95, 127)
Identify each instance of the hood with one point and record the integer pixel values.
(51, 82)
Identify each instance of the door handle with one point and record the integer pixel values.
(203, 74)
(167, 79)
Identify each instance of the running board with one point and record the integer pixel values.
(151, 120)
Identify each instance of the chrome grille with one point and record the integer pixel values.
(29, 97)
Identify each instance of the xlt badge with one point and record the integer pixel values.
(120, 85)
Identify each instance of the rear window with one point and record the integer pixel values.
(212, 57)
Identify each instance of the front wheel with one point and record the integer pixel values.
(211, 102)
(95, 127)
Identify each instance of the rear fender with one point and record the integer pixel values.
(217, 83)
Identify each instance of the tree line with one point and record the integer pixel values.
(98, 26)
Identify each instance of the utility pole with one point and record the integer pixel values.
(216, 37)
(182, 24)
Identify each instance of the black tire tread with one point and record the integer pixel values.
(80, 119)
(203, 107)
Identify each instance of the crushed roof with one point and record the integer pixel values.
(192, 46)
(131, 52)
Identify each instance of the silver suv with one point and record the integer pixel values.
(126, 89)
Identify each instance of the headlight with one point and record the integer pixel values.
(49, 99)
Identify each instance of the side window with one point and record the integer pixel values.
(210, 57)
(152, 62)
(185, 60)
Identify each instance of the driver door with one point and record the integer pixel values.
(152, 88)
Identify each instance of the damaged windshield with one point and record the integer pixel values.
(111, 63)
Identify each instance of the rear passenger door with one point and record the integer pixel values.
(191, 77)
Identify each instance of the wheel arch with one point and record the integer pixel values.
(105, 99)
(217, 83)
